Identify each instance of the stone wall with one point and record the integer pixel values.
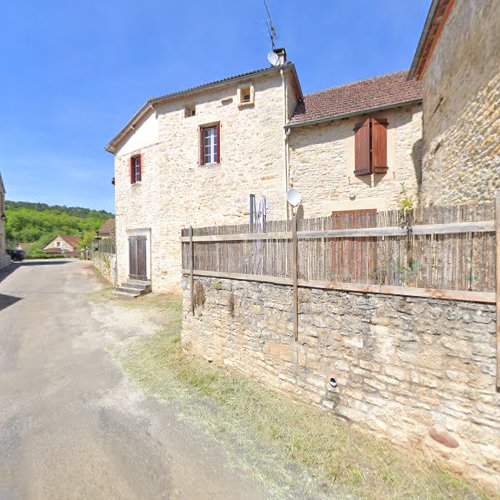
(406, 368)
(105, 263)
(461, 89)
(322, 164)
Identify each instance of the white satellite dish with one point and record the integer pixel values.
(293, 197)
(273, 58)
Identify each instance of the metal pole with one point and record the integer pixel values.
(497, 264)
(295, 277)
(191, 268)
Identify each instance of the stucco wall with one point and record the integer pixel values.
(461, 88)
(176, 191)
(322, 164)
(406, 367)
(63, 244)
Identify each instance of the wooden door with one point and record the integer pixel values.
(354, 259)
(137, 257)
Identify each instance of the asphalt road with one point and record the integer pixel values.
(71, 426)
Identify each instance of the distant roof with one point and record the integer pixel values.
(377, 93)
(107, 228)
(111, 147)
(71, 240)
(436, 18)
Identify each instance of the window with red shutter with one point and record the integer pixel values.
(135, 169)
(362, 157)
(370, 149)
(210, 144)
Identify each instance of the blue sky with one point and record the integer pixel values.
(73, 73)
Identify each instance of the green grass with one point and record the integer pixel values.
(275, 435)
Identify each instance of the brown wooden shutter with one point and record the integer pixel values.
(362, 165)
(132, 171)
(202, 148)
(379, 145)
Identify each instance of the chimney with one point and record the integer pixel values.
(281, 53)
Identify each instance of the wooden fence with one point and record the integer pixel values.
(444, 252)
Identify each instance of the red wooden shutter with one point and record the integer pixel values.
(362, 164)
(379, 145)
(218, 143)
(202, 146)
(132, 170)
(138, 178)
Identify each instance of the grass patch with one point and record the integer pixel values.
(272, 430)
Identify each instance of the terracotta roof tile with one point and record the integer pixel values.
(107, 227)
(71, 240)
(358, 97)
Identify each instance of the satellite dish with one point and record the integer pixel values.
(293, 197)
(273, 58)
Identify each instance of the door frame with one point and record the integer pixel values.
(141, 232)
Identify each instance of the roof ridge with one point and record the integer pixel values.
(377, 77)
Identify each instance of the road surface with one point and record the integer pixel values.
(71, 426)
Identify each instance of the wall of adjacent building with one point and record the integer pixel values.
(461, 88)
(322, 164)
(176, 191)
(417, 371)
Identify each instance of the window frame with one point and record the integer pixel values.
(136, 168)
(215, 145)
(251, 89)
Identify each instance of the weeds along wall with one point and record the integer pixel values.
(105, 263)
(419, 371)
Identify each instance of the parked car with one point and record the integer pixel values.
(16, 254)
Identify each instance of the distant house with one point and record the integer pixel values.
(64, 245)
(198, 156)
(105, 237)
(4, 259)
(458, 60)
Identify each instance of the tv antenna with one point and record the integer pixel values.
(270, 26)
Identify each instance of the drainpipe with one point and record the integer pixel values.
(285, 140)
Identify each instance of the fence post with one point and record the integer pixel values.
(191, 268)
(497, 270)
(295, 277)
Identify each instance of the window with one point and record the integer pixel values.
(189, 110)
(246, 95)
(210, 144)
(370, 149)
(135, 169)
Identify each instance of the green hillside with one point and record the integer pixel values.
(35, 224)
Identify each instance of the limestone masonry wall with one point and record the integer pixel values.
(461, 90)
(406, 367)
(322, 164)
(105, 263)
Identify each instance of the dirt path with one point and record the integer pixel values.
(71, 425)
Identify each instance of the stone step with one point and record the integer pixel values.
(126, 294)
(138, 282)
(137, 286)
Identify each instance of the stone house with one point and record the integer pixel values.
(327, 133)
(458, 60)
(4, 259)
(64, 245)
(194, 157)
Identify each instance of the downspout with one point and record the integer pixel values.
(285, 139)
